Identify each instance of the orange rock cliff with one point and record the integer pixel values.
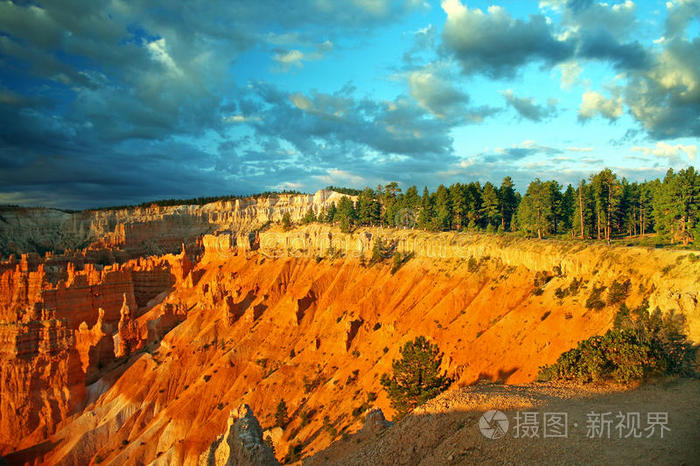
(151, 358)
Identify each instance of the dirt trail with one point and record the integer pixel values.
(446, 430)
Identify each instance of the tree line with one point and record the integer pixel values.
(193, 200)
(603, 206)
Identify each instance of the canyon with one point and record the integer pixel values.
(151, 335)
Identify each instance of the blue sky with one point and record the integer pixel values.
(111, 101)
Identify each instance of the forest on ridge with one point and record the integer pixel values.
(602, 207)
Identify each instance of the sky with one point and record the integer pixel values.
(109, 102)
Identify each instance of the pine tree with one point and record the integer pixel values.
(443, 209)
(330, 214)
(535, 212)
(491, 208)
(606, 193)
(309, 217)
(411, 199)
(459, 206)
(390, 203)
(568, 202)
(583, 220)
(676, 204)
(556, 199)
(346, 214)
(286, 221)
(281, 418)
(368, 208)
(508, 202)
(425, 216)
(416, 376)
(473, 197)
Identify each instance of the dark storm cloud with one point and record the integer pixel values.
(496, 44)
(310, 122)
(662, 89)
(601, 45)
(665, 99)
(100, 101)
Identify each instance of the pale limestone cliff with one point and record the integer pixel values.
(154, 229)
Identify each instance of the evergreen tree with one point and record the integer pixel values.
(556, 199)
(425, 216)
(416, 376)
(368, 208)
(309, 217)
(676, 205)
(508, 202)
(411, 199)
(346, 214)
(491, 208)
(281, 418)
(535, 210)
(390, 202)
(606, 193)
(646, 205)
(583, 217)
(443, 210)
(286, 221)
(568, 202)
(473, 198)
(330, 214)
(459, 206)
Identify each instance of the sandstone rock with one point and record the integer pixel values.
(41, 379)
(241, 444)
(95, 346)
(129, 338)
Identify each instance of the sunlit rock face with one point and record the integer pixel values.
(141, 358)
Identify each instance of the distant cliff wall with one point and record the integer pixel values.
(155, 229)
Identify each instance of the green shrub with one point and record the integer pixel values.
(561, 293)
(329, 428)
(594, 301)
(541, 279)
(396, 262)
(641, 344)
(286, 221)
(306, 416)
(377, 252)
(399, 260)
(472, 264)
(618, 292)
(574, 286)
(416, 376)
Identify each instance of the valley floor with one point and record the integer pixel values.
(447, 429)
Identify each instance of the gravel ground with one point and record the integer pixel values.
(446, 430)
